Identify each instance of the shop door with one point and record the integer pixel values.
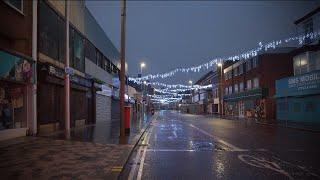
(241, 109)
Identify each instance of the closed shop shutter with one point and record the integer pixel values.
(103, 108)
(79, 106)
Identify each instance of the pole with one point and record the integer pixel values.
(67, 76)
(221, 89)
(33, 124)
(122, 71)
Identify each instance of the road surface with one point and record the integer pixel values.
(184, 146)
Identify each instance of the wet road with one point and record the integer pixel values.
(182, 146)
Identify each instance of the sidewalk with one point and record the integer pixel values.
(92, 152)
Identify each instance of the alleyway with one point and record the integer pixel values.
(181, 146)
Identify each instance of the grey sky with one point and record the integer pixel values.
(171, 34)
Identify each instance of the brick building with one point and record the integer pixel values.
(249, 85)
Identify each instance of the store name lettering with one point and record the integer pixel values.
(303, 79)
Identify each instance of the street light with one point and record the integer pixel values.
(190, 82)
(221, 87)
(142, 65)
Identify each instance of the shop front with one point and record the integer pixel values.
(15, 76)
(248, 104)
(51, 99)
(298, 98)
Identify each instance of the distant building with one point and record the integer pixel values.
(249, 85)
(298, 96)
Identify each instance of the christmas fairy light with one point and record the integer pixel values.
(245, 55)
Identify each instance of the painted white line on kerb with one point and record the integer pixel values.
(144, 154)
(232, 147)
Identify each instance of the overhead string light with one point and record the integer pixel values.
(245, 55)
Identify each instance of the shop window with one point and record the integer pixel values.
(51, 33)
(16, 4)
(14, 68)
(249, 84)
(310, 107)
(296, 107)
(256, 82)
(282, 106)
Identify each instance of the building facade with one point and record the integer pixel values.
(249, 85)
(16, 68)
(298, 96)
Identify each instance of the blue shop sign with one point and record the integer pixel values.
(299, 85)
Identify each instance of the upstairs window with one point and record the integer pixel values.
(248, 65)
(90, 52)
(249, 86)
(255, 62)
(16, 4)
(236, 88)
(76, 50)
(241, 87)
(256, 82)
(235, 71)
(300, 64)
(240, 69)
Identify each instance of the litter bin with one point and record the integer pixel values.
(127, 119)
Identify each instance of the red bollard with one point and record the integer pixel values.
(127, 119)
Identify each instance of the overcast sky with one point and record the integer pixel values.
(171, 34)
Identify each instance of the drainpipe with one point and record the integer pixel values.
(67, 76)
(33, 117)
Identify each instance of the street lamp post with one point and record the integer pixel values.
(122, 70)
(221, 88)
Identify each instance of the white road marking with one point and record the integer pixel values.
(263, 163)
(232, 147)
(143, 154)
(171, 150)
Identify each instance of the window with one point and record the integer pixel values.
(240, 69)
(76, 50)
(16, 4)
(226, 91)
(241, 87)
(230, 89)
(255, 62)
(282, 106)
(235, 71)
(236, 88)
(296, 107)
(248, 65)
(310, 107)
(256, 82)
(308, 28)
(90, 52)
(51, 33)
(300, 64)
(99, 59)
(249, 84)
(314, 61)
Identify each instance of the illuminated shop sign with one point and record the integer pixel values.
(299, 85)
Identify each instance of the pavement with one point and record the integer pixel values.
(184, 146)
(90, 152)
